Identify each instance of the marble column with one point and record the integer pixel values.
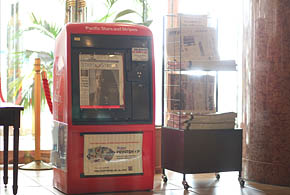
(266, 91)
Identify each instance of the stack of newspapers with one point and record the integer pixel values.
(224, 120)
(177, 120)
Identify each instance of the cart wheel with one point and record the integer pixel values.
(185, 185)
(242, 182)
(164, 178)
(217, 176)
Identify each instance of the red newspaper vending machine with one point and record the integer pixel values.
(103, 109)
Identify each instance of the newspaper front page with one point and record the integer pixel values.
(101, 80)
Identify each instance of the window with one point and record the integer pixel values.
(17, 54)
(16, 16)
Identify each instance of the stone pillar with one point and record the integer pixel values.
(266, 91)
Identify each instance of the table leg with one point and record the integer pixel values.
(5, 155)
(15, 160)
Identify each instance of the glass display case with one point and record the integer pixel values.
(197, 135)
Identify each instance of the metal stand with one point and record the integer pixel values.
(37, 164)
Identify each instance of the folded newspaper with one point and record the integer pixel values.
(217, 120)
(197, 43)
(190, 93)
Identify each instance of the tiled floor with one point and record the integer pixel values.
(40, 183)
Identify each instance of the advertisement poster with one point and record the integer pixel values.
(59, 150)
(113, 154)
(101, 81)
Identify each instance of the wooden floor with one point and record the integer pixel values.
(40, 183)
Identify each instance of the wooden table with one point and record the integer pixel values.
(10, 116)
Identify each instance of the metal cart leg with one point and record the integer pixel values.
(164, 177)
(184, 183)
(242, 182)
(217, 176)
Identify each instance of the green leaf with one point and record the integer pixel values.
(50, 30)
(124, 21)
(112, 2)
(104, 18)
(147, 23)
(124, 12)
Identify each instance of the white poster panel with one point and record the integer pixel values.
(140, 54)
(113, 154)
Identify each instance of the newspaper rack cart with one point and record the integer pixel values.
(186, 50)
